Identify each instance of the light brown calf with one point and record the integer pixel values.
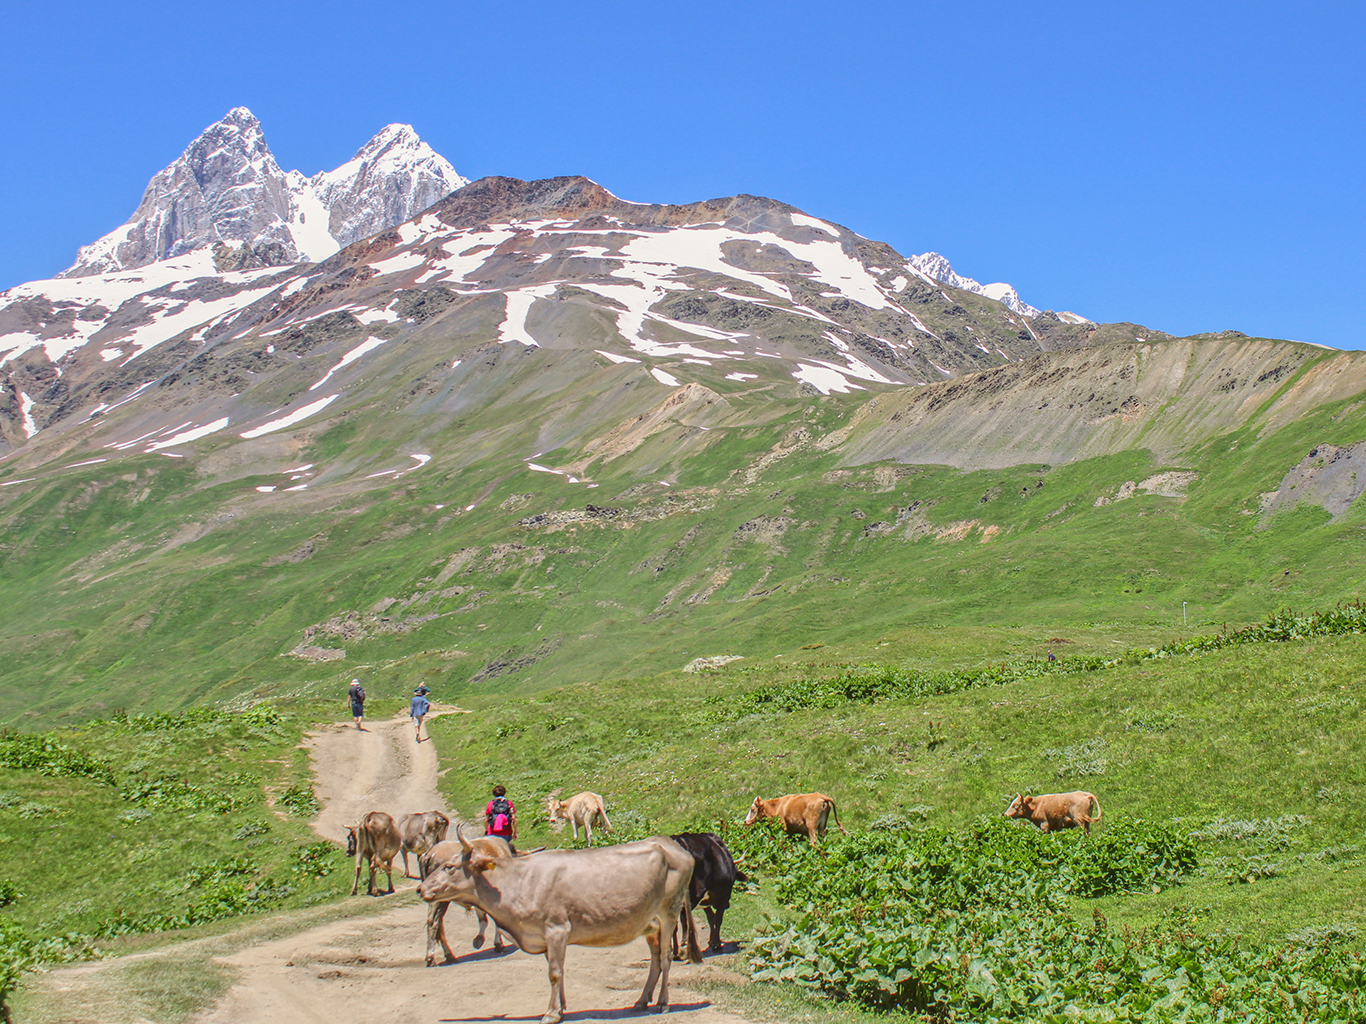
(580, 809)
(1052, 811)
(801, 813)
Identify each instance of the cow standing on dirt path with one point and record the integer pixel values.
(420, 833)
(800, 813)
(1052, 811)
(377, 841)
(553, 899)
(442, 853)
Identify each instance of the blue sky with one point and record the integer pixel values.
(1190, 167)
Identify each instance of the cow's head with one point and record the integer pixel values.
(454, 868)
(755, 811)
(555, 808)
(351, 840)
(484, 853)
(1020, 807)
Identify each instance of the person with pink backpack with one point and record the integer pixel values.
(500, 817)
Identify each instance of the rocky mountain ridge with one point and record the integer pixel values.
(227, 191)
(738, 289)
(539, 433)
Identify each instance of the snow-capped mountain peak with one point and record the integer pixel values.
(937, 268)
(391, 178)
(227, 189)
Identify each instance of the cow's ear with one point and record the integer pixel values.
(480, 861)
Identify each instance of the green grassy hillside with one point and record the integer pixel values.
(1253, 750)
(169, 583)
(1255, 732)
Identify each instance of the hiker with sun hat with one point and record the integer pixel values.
(419, 708)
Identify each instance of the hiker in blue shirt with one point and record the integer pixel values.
(419, 708)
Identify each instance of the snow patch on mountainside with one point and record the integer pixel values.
(109, 292)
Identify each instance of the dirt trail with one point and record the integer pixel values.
(370, 969)
(382, 767)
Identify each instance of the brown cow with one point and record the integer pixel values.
(376, 840)
(1052, 811)
(550, 900)
(421, 832)
(579, 809)
(800, 813)
(444, 852)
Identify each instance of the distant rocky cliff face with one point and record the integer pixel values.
(226, 189)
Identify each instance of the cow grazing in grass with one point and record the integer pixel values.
(441, 853)
(553, 899)
(580, 809)
(801, 813)
(714, 875)
(374, 840)
(1051, 811)
(421, 832)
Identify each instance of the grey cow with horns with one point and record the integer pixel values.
(548, 900)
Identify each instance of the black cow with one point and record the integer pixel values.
(713, 877)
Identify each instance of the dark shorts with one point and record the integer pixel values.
(357, 709)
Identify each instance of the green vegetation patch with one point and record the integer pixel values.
(964, 925)
(154, 823)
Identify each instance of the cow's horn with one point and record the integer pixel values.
(468, 846)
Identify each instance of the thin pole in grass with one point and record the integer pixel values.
(1183, 614)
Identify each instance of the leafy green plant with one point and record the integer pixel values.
(250, 829)
(964, 925)
(164, 791)
(16, 956)
(1251, 869)
(43, 754)
(315, 860)
(1090, 757)
(1271, 832)
(298, 800)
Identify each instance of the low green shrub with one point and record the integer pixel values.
(164, 791)
(41, 753)
(259, 716)
(250, 829)
(224, 888)
(869, 684)
(315, 860)
(298, 800)
(964, 925)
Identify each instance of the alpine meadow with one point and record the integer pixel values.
(682, 505)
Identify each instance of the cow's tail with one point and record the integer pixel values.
(836, 815)
(1096, 802)
(690, 928)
